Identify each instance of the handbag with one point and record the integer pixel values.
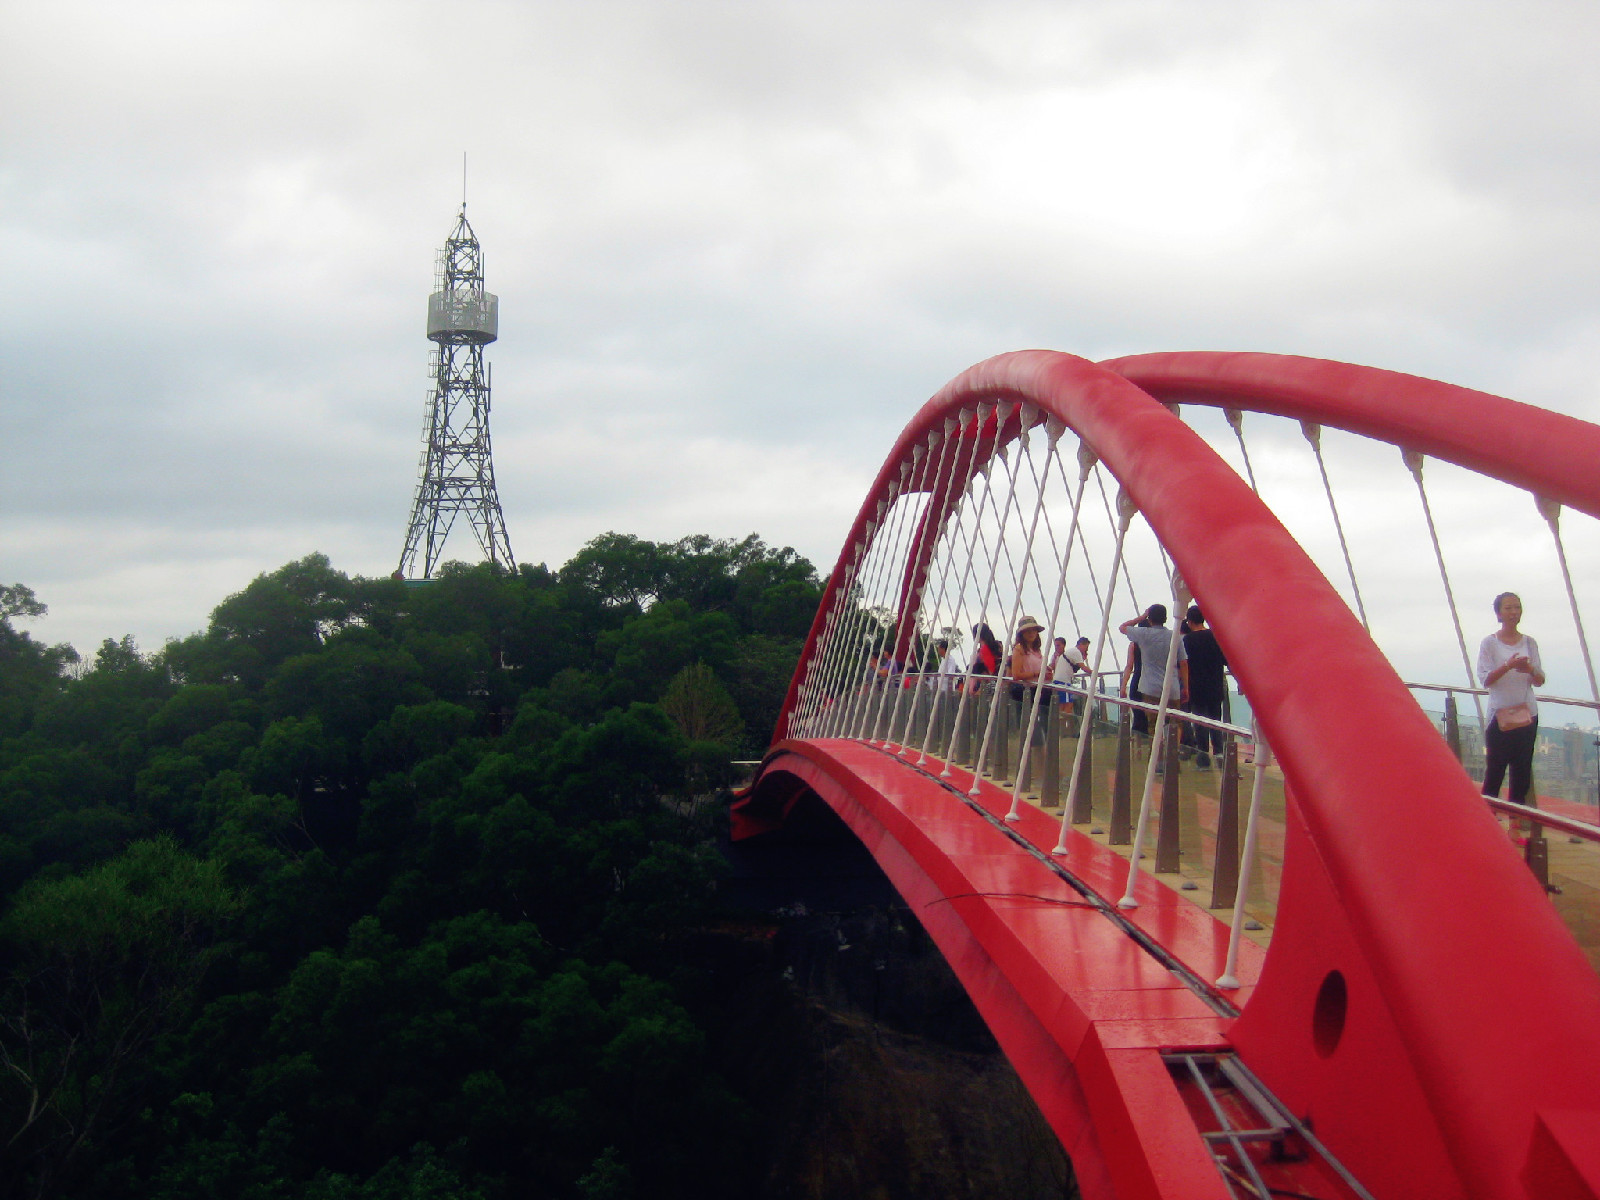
(1513, 716)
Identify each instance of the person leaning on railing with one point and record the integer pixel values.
(1027, 659)
(1509, 666)
(1026, 669)
(1065, 663)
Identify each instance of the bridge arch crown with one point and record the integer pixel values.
(1354, 747)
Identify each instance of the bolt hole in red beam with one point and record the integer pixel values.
(1327, 1017)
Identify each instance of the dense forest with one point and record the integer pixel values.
(378, 890)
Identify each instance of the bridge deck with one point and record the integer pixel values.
(1083, 997)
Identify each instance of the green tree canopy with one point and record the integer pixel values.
(369, 890)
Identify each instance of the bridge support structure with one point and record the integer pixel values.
(1379, 1014)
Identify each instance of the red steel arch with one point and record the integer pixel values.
(1549, 454)
(1399, 879)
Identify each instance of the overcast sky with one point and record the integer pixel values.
(736, 245)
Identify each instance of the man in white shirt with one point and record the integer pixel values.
(1065, 663)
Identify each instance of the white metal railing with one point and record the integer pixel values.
(943, 686)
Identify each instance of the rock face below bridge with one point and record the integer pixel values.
(874, 1075)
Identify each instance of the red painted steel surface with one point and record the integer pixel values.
(1472, 1020)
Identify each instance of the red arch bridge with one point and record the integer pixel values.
(1322, 964)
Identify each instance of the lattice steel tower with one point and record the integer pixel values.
(456, 474)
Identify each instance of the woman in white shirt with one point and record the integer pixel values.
(1508, 665)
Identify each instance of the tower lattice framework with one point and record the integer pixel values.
(456, 474)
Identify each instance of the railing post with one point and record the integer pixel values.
(961, 740)
(1167, 834)
(1536, 851)
(1122, 785)
(1000, 770)
(1537, 855)
(1083, 801)
(1452, 725)
(1225, 867)
(888, 683)
(1050, 774)
(1027, 773)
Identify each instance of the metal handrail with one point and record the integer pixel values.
(1473, 691)
(1540, 816)
(1176, 713)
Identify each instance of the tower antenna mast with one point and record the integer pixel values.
(456, 473)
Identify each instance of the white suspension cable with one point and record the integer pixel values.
(1088, 557)
(818, 705)
(963, 520)
(1413, 460)
(860, 647)
(1041, 480)
(960, 555)
(1028, 413)
(894, 572)
(831, 694)
(924, 547)
(812, 691)
(1004, 411)
(1229, 979)
(873, 708)
(950, 536)
(1127, 575)
(817, 669)
(799, 723)
(925, 551)
(988, 482)
(1041, 693)
(1313, 434)
(911, 592)
(1235, 418)
(850, 629)
(1551, 511)
(842, 685)
(852, 625)
(1056, 554)
(1002, 520)
(1013, 470)
(1018, 578)
(1125, 513)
